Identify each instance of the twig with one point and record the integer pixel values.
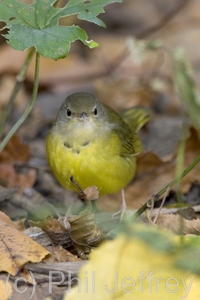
(180, 157)
(150, 205)
(30, 106)
(161, 206)
(179, 169)
(169, 185)
(151, 30)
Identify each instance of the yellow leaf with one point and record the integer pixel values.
(16, 248)
(6, 290)
(128, 268)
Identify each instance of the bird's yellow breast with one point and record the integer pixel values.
(94, 161)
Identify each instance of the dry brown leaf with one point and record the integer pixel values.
(54, 74)
(59, 254)
(6, 219)
(173, 223)
(27, 276)
(123, 93)
(16, 248)
(89, 194)
(81, 231)
(85, 232)
(15, 151)
(12, 179)
(55, 230)
(20, 224)
(153, 174)
(92, 193)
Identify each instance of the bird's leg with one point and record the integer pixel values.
(123, 207)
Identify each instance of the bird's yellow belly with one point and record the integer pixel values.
(97, 163)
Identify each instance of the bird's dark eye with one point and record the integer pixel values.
(95, 112)
(69, 112)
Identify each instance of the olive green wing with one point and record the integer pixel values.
(130, 142)
(136, 117)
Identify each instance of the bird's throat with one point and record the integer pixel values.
(79, 132)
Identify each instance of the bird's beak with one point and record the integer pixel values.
(83, 116)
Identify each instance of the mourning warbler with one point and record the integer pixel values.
(94, 144)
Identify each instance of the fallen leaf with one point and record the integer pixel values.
(20, 224)
(175, 222)
(89, 194)
(57, 232)
(59, 254)
(6, 290)
(84, 232)
(113, 93)
(12, 179)
(53, 74)
(16, 248)
(29, 278)
(80, 230)
(15, 151)
(131, 266)
(4, 218)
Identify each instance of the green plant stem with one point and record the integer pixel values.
(19, 80)
(180, 157)
(162, 191)
(30, 106)
(179, 170)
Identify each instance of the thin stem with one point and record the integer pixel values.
(180, 157)
(169, 185)
(179, 170)
(30, 106)
(19, 80)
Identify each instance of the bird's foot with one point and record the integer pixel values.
(122, 211)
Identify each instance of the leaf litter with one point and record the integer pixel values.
(128, 84)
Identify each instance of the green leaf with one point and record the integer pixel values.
(159, 240)
(87, 10)
(188, 254)
(36, 24)
(51, 42)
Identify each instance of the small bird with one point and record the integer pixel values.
(93, 144)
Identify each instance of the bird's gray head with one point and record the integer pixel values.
(81, 107)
